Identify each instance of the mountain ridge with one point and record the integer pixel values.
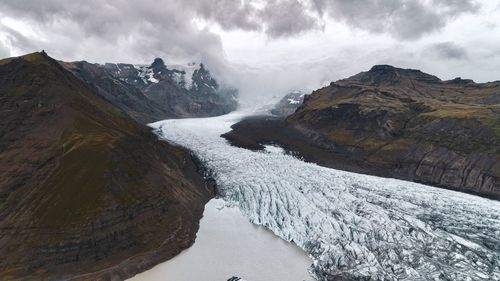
(188, 92)
(398, 123)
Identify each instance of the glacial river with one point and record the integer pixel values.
(351, 225)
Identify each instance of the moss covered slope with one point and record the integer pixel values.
(85, 191)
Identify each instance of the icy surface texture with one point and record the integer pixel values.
(354, 226)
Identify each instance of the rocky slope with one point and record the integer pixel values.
(288, 104)
(398, 123)
(121, 93)
(85, 192)
(176, 91)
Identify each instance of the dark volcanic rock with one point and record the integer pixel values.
(397, 123)
(85, 192)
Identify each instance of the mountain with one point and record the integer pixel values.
(288, 104)
(120, 93)
(395, 122)
(171, 92)
(86, 191)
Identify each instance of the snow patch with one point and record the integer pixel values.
(187, 77)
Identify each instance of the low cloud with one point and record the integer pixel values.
(139, 31)
(446, 50)
(4, 51)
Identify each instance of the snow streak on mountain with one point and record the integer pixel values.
(353, 226)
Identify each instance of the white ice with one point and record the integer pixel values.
(351, 224)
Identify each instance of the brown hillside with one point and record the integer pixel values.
(84, 189)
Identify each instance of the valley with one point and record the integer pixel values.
(354, 226)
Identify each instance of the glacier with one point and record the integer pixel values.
(353, 226)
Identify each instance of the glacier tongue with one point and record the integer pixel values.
(354, 226)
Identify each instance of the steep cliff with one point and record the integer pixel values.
(85, 192)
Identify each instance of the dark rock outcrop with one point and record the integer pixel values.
(167, 92)
(398, 123)
(86, 192)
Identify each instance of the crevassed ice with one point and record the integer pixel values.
(352, 225)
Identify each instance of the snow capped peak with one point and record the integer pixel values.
(295, 97)
(146, 74)
(183, 74)
(190, 76)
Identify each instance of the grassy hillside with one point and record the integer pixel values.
(86, 192)
(444, 133)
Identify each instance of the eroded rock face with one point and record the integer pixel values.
(85, 192)
(412, 125)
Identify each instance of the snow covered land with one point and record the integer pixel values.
(351, 225)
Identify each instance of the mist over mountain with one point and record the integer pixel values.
(341, 140)
(153, 92)
(264, 47)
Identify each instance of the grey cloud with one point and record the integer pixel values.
(170, 30)
(12, 37)
(4, 51)
(106, 30)
(277, 18)
(407, 19)
(404, 19)
(229, 14)
(283, 18)
(446, 50)
(138, 31)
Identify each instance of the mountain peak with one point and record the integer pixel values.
(158, 62)
(388, 74)
(382, 67)
(35, 58)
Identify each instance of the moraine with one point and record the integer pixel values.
(352, 225)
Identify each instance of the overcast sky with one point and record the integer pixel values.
(265, 47)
